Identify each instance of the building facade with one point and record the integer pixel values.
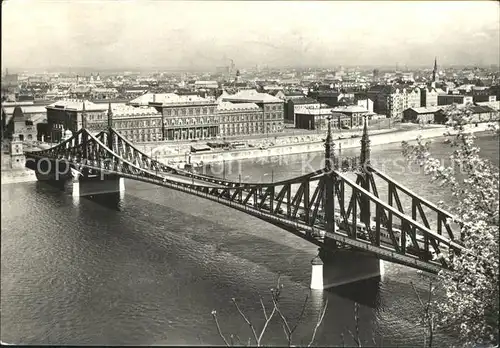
(448, 99)
(413, 97)
(478, 113)
(420, 114)
(354, 114)
(429, 97)
(186, 117)
(239, 119)
(271, 107)
(67, 115)
(20, 127)
(317, 119)
(292, 105)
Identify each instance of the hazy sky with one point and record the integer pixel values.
(107, 34)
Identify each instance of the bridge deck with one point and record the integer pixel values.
(381, 251)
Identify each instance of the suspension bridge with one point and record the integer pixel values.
(325, 207)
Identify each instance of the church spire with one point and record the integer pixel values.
(434, 72)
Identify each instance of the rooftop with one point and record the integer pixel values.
(349, 109)
(252, 96)
(314, 111)
(27, 109)
(127, 110)
(228, 106)
(428, 110)
(304, 100)
(494, 105)
(167, 98)
(77, 105)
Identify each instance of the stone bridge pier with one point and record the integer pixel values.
(62, 175)
(95, 185)
(341, 266)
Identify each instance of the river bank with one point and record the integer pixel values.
(381, 137)
(14, 176)
(293, 145)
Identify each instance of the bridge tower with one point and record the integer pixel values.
(364, 175)
(110, 126)
(330, 182)
(84, 116)
(336, 266)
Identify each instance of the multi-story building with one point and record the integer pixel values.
(136, 124)
(313, 118)
(391, 100)
(477, 98)
(448, 99)
(67, 115)
(354, 113)
(413, 98)
(239, 119)
(293, 104)
(329, 97)
(20, 127)
(271, 107)
(429, 97)
(186, 116)
(361, 99)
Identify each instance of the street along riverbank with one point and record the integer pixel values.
(314, 145)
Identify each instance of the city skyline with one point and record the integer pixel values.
(203, 35)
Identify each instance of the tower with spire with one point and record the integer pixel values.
(110, 116)
(110, 125)
(84, 116)
(435, 71)
(364, 174)
(329, 147)
(365, 145)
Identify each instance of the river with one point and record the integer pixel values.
(150, 267)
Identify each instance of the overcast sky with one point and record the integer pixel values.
(107, 34)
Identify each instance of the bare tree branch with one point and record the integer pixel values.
(354, 338)
(418, 296)
(239, 340)
(263, 307)
(301, 316)
(246, 320)
(214, 315)
(320, 320)
(265, 325)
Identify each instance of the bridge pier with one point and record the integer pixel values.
(77, 184)
(339, 267)
(91, 186)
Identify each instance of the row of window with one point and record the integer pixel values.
(137, 138)
(239, 117)
(277, 107)
(273, 116)
(137, 123)
(185, 111)
(141, 131)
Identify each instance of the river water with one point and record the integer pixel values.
(150, 267)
